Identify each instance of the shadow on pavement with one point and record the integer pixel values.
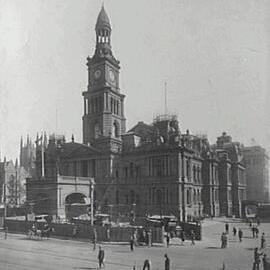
(212, 248)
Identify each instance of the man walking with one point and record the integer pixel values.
(240, 235)
(256, 264)
(101, 256)
(182, 236)
(253, 231)
(167, 262)
(227, 227)
(168, 239)
(146, 264)
(263, 241)
(234, 231)
(131, 242)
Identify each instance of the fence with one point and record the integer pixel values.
(113, 234)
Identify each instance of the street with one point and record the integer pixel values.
(18, 252)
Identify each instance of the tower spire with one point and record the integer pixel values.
(103, 33)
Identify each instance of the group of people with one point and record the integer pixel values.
(224, 235)
(147, 264)
(255, 233)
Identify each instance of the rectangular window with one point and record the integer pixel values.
(84, 165)
(126, 171)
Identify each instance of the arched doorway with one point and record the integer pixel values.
(75, 205)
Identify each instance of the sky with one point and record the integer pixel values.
(213, 55)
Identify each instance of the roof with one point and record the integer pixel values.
(142, 130)
(74, 150)
(103, 19)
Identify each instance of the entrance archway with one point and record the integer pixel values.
(75, 205)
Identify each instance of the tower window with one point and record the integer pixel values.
(115, 129)
(97, 130)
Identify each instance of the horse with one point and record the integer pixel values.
(47, 232)
(34, 234)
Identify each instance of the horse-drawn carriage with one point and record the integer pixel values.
(40, 229)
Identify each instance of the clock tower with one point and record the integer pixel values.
(103, 119)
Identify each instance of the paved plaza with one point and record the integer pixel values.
(18, 252)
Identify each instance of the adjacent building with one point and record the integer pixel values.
(232, 177)
(256, 162)
(12, 183)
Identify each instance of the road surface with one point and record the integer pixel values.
(18, 252)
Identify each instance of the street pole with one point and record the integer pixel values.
(92, 183)
(5, 204)
(183, 182)
(16, 187)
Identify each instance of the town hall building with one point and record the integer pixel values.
(150, 169)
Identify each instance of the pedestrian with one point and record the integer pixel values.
(74, 231)
(101, 257)
(131, 242)
(263, 241)
(257, 261)
(234, 231)
(227, 227)
(94, 238)
(258, 221)
(240, 235)
(144, 237)
(146, 265)
(168, 239)
(257, 232)
(167, 262)
(192, 237)
(225, 240)
(253, 231)
(222, 238)
(250, 223)
(182, 236)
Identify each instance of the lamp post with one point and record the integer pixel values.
(92, 186)
(183, 181)
(5, 203)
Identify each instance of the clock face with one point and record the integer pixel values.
(111, 75)
(97, 74)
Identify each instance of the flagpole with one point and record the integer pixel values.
(42, 156)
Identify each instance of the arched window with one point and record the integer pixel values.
(188, 196)
(194, 173)
(115, 129)
(187, 169)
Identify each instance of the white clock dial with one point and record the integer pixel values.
(111, 75)
(97, 74)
